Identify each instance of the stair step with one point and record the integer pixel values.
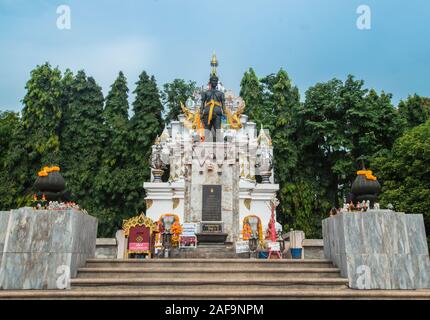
(202, 273)
(151, 283)
(213, 263)
(175, 294)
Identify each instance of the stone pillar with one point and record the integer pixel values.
(120, 240)
(44, 248)
(379, 249)
(206, 171)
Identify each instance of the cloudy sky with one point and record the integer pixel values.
(314, 40)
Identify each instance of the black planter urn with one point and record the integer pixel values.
(52, 185)
(365, 189)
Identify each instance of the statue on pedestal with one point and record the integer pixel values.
(213, 102)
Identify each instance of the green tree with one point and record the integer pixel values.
(41, 116)
(15, 189)
(144, 126)
(112, 182)
(405, 174)
(415, 110)
(251, 92)
(323, 146)
(173, 94)
(81, 139)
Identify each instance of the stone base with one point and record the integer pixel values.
(209, 237)
(42, 249)
(379, 249)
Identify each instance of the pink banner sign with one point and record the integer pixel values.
(136, 246)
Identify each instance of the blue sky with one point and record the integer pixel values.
(314, 40)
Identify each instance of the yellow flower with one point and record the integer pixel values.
(368, 173)
(43, 173)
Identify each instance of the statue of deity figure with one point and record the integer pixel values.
(212, 108)
(213, 102)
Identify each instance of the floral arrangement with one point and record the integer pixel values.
(176, 227)
(160, 221)
(368, 173)
(247, 230)
(46, 170)
(176, 230)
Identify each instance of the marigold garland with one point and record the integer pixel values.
(247, 230)
(368, 173)
(46, 170)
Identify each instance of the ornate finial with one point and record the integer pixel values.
(263, 138)
(214, 65)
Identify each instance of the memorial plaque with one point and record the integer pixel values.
(211, 210)
(211, 227)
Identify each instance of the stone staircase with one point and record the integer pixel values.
(206, 278)
(211, 279)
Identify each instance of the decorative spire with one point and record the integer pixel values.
(214, 65)
(263, 138)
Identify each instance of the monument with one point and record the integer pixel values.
(220, 169)
(374, 248)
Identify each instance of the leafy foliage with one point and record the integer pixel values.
(14, 163)
(173, 94)
(415, 110)
(318, 144)
(82, 139)
(405, 173)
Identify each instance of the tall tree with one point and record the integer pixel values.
(41, 116)
(82, 139)
(112, 182)
(145, 124)
(281, 102)
(251, 92)
(323, 146)
(415, 110)
(173, 94)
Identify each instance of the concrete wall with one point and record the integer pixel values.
(38, 244)
(379, 249)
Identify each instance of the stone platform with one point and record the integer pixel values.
(41, 247)
(379, 249)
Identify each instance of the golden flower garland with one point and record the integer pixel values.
(176, 230)
(368, 173)
(46, 170)
(246, 230)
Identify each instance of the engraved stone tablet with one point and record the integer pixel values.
(211, 210)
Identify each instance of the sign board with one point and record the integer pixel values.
(189, 229)
(139, 238)
(211, 209)
(188, 237)
(211, 227)
(138, 246)
(242, 246)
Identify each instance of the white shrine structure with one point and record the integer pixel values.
(213, 184)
